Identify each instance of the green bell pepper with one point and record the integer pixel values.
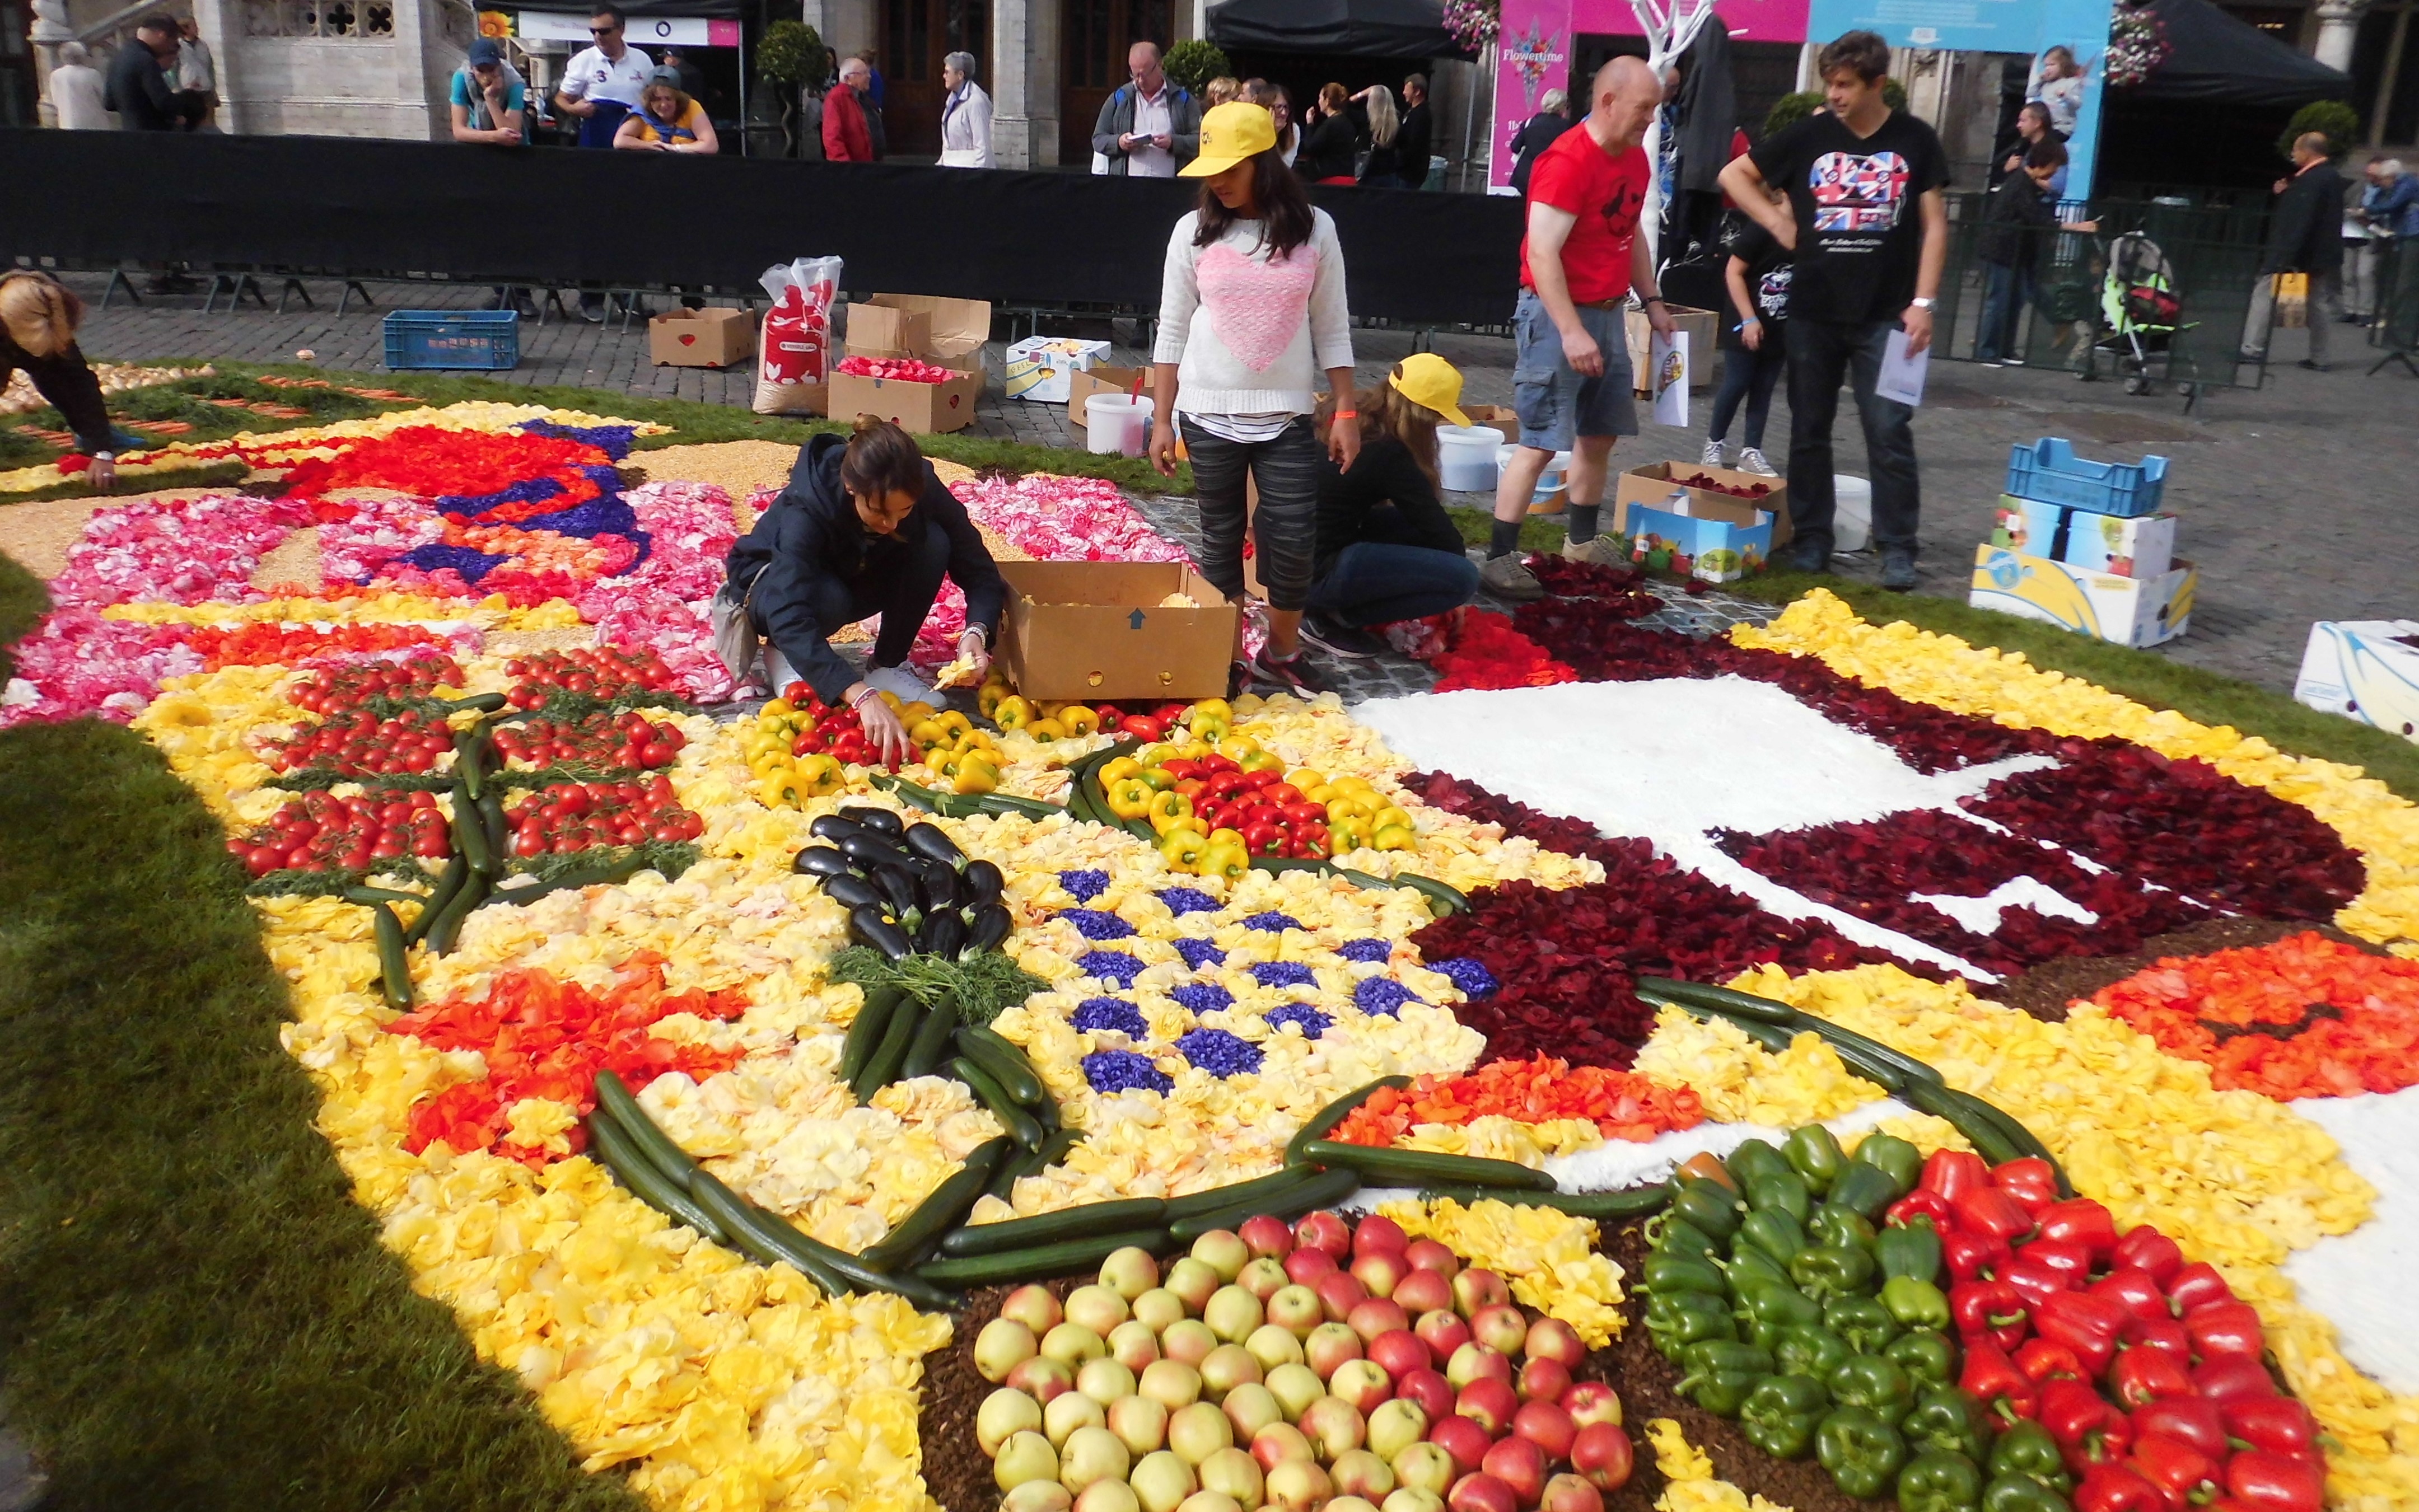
(1938, 1480)
(2026, 1449)
(1781, 1415)
(1669, 1236)
(1676, 1320)
(1682, 1272)
(1861, 1451)
(1911, 1249)
(1924, 1354)
(1879, 1385)
(1945, 1417)
(1709, 1206)
(1749, 1263)
(1894, 1157)
(2021, 1493)
(1832, 1270)
(1720, 1375)
(1864, 1190)
(1915, 1304)
(1784, 1189)
(1809, 1351)
(1773, 1231)
(1814, 1154)
(1838, 1226)
(1865, 1323)
(1768, 1309)
(1755, 1158)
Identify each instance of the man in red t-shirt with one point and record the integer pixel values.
(1579, 263)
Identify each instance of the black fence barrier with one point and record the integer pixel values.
(627, 220)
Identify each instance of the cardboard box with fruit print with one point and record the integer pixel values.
(2139, 545)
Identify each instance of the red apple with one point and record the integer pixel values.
(1423, 1292)
(1476, 1287)
(1546, 1426)
(1442, 1332)
(1431, 1254)
(1280, 1442)
(1374, 1235)
(1400, 1350)
(1295, 1308)
(1501, 1328)
(1591, 1401)
(1380, 1272)
(1551, 1339)
(1267, 1237)
(1426, 1466)
(1519, 1464)
(1377, 1316)
(1567, 1493)
(1602, 1453)
(1462, 1439)
(1329, 1346)
(1334, 1426)
(1429, 1390)
(1475, 1362)
(1481, 1493)
(1489, 1403)
(1326, 1232)
(1339, 1292)
(1544, 1380)
(1363, 1382)
(1263, 1277)
(1305, 1266)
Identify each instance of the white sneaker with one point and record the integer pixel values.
(1751, 460)
(1715, 454)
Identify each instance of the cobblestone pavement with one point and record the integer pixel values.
(2295, 498)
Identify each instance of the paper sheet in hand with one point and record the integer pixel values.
(1902, 376)
(1669, 356)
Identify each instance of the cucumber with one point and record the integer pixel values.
(1989, 1141)
(466, 761)
(882, 1066)
(1453, 898)
(366, 896)
(1053, 1150)
(762, 1237)
(1323, 1190)
(1278, 865)
(999, 1056)
(1257, 1188)
(447, 925)
(1420, 1167)
(1635, 1203)
(865, 1032)
(1737, 1004)
(485, 703)
(1041, 1260)
(1363, 880)
(449, 882)
(1763, 1030)
(614, 1096)
(931, 1041)
(1055, 1228)
(1898, 1060)
(1019, 1122)
(570, 881)
(394, 971)
(470, 833)
(491, 820)
(621, 1155)
(943, 1208)
(1323, 1122)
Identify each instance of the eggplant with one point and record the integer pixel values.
(980, 883)
(870, 851)
(938, 886)
(879, 820)
(928, 841)
(866, 926)
(833, 828)
(821, 860)
(855, 892)
(992, 925)
(944, 935)
(898, 888)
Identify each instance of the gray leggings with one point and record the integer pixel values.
(1283, 526)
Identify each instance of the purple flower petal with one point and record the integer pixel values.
(1382, 996)
(1283, 974)
(1183, 900)
(1273, 922)
(1203, 996)
(1218, 1052)
(1201, 952)
(1110, 965)
(1083, 886)
(1116, 1070)
(1313, 1022)
(1094, 1015)
(1373, 952)
(1095, 923)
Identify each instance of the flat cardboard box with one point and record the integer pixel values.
(1651, 486)
(1716, 550)
(2129, 611)
(1701, 325)
(2121, 545)
(926, 325)
(1090, 631)
(2363, 670)
(1083, 385)
(1042, 369)
(708, 338)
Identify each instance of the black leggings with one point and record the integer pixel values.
(1283, 526)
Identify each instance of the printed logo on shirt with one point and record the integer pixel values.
(1621, 210)
(1772, 293)
(1855, 192)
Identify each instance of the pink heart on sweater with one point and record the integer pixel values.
(1257, 306)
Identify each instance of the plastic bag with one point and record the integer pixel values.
(793, 351)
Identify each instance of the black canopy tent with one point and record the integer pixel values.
(2224, 61)
(1346, 28)
(2210, 114)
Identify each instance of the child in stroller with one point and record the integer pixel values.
(2140, 315)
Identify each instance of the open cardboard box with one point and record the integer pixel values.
(1651, 487)
(2130, 611)
(709, 338)
(946, 332)
(1702, 326)
(1084, 383)
(1090, 631)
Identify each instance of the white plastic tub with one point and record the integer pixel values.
(1466, 457)
(1852, 518)
(1116, 423)
(1550, 483)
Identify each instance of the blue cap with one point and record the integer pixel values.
(485, 50)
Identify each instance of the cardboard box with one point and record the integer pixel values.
(1651, 486)
(1717, 550)
(709, 338)
(919, 408)
(1701, 325)
(1042, 368)
(1503, 417)
(926, 325)
(2137, 545)
(1084, 383)
(1090, 631)
(2130, 611)
(2364, 669)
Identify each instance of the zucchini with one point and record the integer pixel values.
(1764, 1031)
(1041, 1260)
(491, 820)
(466, 761)
(394, 971)
(1737, 1005)
(1055, 1228)
(447, 925)
(470, 833)
(1363, 880)
(485, 703)
(1420, 1167)
(1053, 1150)
(619, 1154)
(1323, 1122)
(1007, 1065)
(1011, 803)
(762, 1237)
(882, 1066)
(1323, 1190)
(585, 877)
(931, 1041)
(1253, 1190)
(614, 1096)
(1454, 898)
(368, 896)
(941, 1209)
(449, 882)
(865, 1030)
(1019, 1122)
(1278, 865)
(1637, 1202)
(1898, 1060)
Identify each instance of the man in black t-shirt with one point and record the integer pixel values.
(1869, 221)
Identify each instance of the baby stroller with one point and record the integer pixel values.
(2140, 314)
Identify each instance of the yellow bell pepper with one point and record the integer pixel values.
(1322, 794)
(990, 697)
(1211, 733)
(942, 761)
(1011, 713)
(976, 775)
(781, 787)
(1130, 798)
(1349, 806)
(775, 707)
(1262, 761)
(1183, 848)
(1236, 748)
(928, 733)
(1391, 814)
(1046, 731)
(954, 722)
(1227, 837)
(1305, 779)
(823, 775)
(1395, 837)
(1347, 835)
(1230, 860)
(1210, 709)
(1079, 720)
(892, 699)
(1115, 771)
(1191, 821)
(1158, 779)
(1346, 782)
(1164, 809)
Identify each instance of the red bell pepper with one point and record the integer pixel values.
(2224, 1328)
(2185, 1476)
(2035, 1278)
(2141, 1377)
(2146, 1247)
(1920, 1204)
(1987, 1210)
(2234, 1377)
(2090, 1431)
(2273, 1424)
(2134, 1290)
(2087, 1324)
(2194, 1420)
(2065, 1257)
(2115, 1488)
(1970, 1256)
(2079, 1221)
(1992, 1379)
(2196, 1286)
(2265, 1482)
(2031, 1181)
(1988, 1309)
(2042, 1361)
(2165, 1335)
(1952, 1173)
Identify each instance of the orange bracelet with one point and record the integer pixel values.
(1346, 414)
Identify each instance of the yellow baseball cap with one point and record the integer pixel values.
(1425, 378)
(1230, 135)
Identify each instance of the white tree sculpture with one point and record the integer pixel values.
(1671, 28)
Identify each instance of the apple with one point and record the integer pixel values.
(1481, 1493)
(1464, 1440)
(1223, 1251)
(1232, 1472)
(1158, 1307)
(1038, 1496)
(1519, 1464)
(1068, 1411)
(1172, 1384)
(1227, 1366)
(1334, 1426)
(1278, 1442)
(1375, 1235)
(1232, 1313)
(1264, 1277)
(1194, 1281)
(1432, 1255)
(1360, 1472)
(1603, 1454)
(1411, 1498)
(1489, 1403)
(1161, 1481)
(1547, 1427)
(1443, 1331)
(1329, 1346)
(1097, 1308)
(1349, 1504)
(1305, 1266)
(1025, 1457)
(1298, 1486)
(1474, 1361)
(1295, 1387)
(1339, 1292)
(1002, 1346)
(1394, 1427)
(1033, 1307)
(1140, 1423)
(1251, 1407)
(1429, 1389)
(1427, 1466)
(1004, 1415)
(1104, 1380)
(1188, 1341)
(1374, 1317)
(1323, 1230)
(1592, 1401)
(1363, 1382)
(1501, 1328)
(1071, 1344)
(1108, 1496)
(1092, 1454)
(1042, 1378)
(1274, 1346)
(1267, 1237)
(1543, 1381)
(1199, 1432)
(1478, 1287)
(1206, 1501)
(1567, 1493)
(1380, 1272)
(1129, 1272)
(1551, 1339)
(1423, 1292)
(1399, 1351)
(1296, 1308)
(1133, 1344)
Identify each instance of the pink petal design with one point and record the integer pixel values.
(1256, 306)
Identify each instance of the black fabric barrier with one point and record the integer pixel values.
(562, 216)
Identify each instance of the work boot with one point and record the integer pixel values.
(1898, 568)
(1509, 577)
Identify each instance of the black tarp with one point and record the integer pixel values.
(638, 10)
(2220, 60)
(1350, 28)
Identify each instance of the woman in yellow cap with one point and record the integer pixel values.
(1251, 310)
(1386, 549)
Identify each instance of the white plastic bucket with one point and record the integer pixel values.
(1116, 423)
(1549, 483)
(1466, 457)
(1852, 517)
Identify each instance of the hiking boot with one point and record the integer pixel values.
(1293, 673)
(1715, 451)
(1898, 568)
(1508, 577)
(1751, 459)
(1337, 638)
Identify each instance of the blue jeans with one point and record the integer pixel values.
(1749, 375)
(1821, 354)
(1378, 582)
(2006, 290)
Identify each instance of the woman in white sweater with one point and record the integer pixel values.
(1251, 310)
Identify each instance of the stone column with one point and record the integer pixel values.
(50, 29)
(1024, 82)
(221, 26)
(2338, 29)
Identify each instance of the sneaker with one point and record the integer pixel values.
(1753, 460)
(1292, 674)
(1898, 570)
(1804, 554)
(1715, 451)
(2252, 355)
(1337, 638)
(1990, 362)
(2316, 366)
(1506, 577)
(1601, 549)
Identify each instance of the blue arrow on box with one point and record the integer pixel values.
(1134, 620)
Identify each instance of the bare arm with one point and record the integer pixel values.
(706, 141)
(1163, 425)
(1917, 321)
(1344, 436)
(1649, 290)
(573, 105)
(626, 138)
(1548, 228)
(1744, 183)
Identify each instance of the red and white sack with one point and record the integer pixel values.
(793, 351)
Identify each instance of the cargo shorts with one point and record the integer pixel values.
(1555, 403)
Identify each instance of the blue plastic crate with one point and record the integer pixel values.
(2049, 471)
(481, 340)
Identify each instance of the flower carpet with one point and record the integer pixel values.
(1874, 827)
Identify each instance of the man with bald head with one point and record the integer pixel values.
(1150, 127)
(1579, 263)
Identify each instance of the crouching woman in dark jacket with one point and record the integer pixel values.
(864, 527)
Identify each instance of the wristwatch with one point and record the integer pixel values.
(1920, 303)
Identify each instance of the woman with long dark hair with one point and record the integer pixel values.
(1332, 142)
(1251, 310)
